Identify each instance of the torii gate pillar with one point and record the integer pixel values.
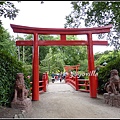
(35, 83)
(91, 68)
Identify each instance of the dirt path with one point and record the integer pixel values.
(62, 101)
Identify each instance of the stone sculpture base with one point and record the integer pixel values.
(112, 99)
(25, 104)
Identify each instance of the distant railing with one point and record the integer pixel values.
(83, 85)
(42, 83)
(78, 84)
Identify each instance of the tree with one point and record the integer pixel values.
(53, 62)
(25, 52)
(97, 14)
(7, 42)
(71, 54)
(8, 9)
(59, 56)
(106, 56)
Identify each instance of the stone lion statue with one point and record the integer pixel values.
(21, 92)
(113, 85)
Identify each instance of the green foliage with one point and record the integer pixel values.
(84, 65)
(73, 54)
(8, 9)
(25, 52)
(106, 56)
(52, 62)
(95, 13)
(9, 67)
(74, 19)
(27, 72)
(70, 54)
(60, 56)
(53, 58)
(28, 68)
(6, 41)
(104, 73)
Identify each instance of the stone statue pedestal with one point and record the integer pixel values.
(112, 99)
(25, 104)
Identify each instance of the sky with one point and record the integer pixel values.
(51, 14)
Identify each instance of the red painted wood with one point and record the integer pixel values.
(63, 37)
(24, 43)
(44, 81)
(91, 68)
(35, 85)
(44, 78)
(60, 43)
(67, 68)
(86, 84)
(64, 31)
(76, 82)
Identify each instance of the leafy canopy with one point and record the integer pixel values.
(8, 9)
(93, 13)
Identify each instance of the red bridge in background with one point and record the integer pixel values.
(74, 81)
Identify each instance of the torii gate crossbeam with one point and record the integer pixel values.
(62, 32)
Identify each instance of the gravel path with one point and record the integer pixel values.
(62, 101)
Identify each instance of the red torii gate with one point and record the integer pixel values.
(62, 42)
(72, 68)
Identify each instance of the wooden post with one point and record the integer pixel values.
(35, 85)
(44, 81)
(91, 68)
(76, 82)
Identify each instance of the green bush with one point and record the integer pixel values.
(9, 67)
(104, 73)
